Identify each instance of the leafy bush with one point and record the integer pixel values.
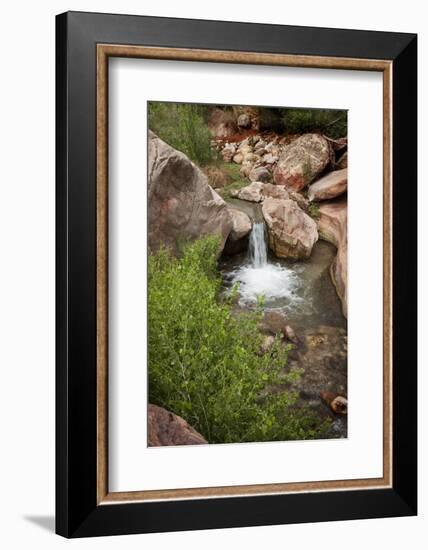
(183, 126)
(333, 123)
(205, 362)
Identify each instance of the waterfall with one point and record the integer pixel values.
(257, 249)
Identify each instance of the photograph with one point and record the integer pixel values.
(247, 273)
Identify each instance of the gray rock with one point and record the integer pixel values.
(182, 205)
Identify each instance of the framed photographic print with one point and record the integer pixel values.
(236, 274)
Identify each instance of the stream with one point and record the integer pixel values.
(304, 293)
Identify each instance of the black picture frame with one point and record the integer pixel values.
(77, 511)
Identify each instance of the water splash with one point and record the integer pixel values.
(258, 277)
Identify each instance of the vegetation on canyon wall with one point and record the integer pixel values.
(205, 361)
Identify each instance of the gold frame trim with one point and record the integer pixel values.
(104, 51)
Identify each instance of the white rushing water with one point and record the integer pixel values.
(258, 277)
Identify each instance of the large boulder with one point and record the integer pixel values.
(182, 205)
(332, 227)
(274, 191)
(302, 161)
(166, 428)
(330, 186)
(241, 227)
(292, 233)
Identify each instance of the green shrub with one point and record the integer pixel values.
(314, 210)
(205, 362)
(183, 126)
(331, 122)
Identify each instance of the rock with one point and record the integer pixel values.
(290, 334)
(237, 240)
(166, 428)
(259, 173)
(238, 158)
(330, 186)
(250, 157)
(252, 192)
(274, 322)
(228, 152)
(332, 227)
(222, 124)
(267, 343)
(182, 205)
(338, 145)
(269, 158)
(244, 121)
(246, 169)
(337, 403)
(292, 233)
(300, 199)
(302, 161)
(274, 191)
(342, 162)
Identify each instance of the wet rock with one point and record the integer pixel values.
(337, 403)
(237, 240)
(290, 334)
(302, 161)
(330, 186)
(274, 322)
(183, 206)
(332, 226)
(322, 354)
(166, 428)
(292, 233)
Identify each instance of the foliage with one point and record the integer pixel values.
(314, 210)
(331, 122)
(205, 361)
(184, 127)
(232, 170)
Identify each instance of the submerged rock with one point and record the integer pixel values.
(332, 226)
(292, 233)
(166, 428)
(330, 186)
(302, 161)
(182, 205)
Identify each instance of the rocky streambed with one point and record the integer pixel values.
(302, 306)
